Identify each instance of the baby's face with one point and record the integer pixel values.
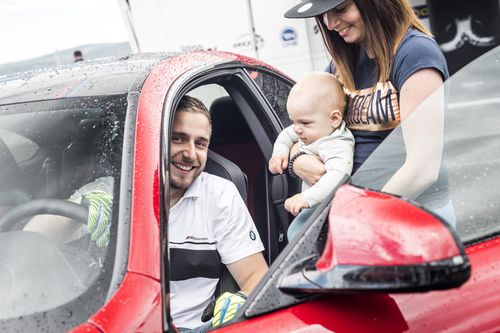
(310, 123)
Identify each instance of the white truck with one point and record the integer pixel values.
(255, 28)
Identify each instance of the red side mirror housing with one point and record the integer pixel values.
(378, 242)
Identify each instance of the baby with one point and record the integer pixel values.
(316, 106)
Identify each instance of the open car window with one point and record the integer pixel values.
(466, 192)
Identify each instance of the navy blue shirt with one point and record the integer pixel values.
(370, 115)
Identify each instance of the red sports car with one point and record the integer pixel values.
(365, 262)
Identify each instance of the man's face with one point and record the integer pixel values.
(189, 147)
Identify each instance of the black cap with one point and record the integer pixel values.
(311, 8)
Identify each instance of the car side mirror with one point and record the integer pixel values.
(380, 243)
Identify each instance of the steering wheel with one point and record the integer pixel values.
(60, 207)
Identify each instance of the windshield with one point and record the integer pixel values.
(56, 158)
(456, 145)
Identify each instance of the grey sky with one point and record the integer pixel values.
(31, 28)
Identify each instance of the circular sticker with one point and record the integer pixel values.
(305, 7)
(288, 34)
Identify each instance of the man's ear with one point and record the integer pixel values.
(335, 118)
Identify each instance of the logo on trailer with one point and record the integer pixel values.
(245, 43)
(465, 35)
(289, 36)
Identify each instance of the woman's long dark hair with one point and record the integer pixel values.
(385, 24)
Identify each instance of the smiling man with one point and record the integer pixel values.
(189, 146)
(209, 226)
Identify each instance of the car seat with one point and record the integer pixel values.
(78, 161)
(233, 138)
(10, 179)
(222, 167)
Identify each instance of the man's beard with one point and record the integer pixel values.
(181, 185)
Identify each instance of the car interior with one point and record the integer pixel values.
(49, 150)
(53, 163)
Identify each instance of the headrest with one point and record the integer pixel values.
(222, 167)
(229, 126)
(9, 171)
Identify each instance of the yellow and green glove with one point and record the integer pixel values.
(226, 307)
(100, 204)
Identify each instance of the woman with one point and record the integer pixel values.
(389, 64)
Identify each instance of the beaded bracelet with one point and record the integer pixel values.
(291, 161)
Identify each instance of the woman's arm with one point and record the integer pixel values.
(422, 134)
(309, 168)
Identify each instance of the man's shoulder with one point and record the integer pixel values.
(217, 191)
(215, 183)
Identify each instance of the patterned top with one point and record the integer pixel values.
(372, 115)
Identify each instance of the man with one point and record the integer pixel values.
(209, 225)
(78, 56)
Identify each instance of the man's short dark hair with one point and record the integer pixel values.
(77, 53)
(192, 104)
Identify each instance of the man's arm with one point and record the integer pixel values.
(248, 271)
(240, 248)
(59, 229)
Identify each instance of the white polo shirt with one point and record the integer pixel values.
(208, 227)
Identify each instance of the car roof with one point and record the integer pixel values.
(105, 76)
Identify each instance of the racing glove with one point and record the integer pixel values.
(99, 219)
(226, 307)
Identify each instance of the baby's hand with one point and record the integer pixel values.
(296, 203)
(278, 163)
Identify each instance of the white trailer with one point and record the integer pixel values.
(255, 28)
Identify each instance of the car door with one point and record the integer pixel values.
(242, 104)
